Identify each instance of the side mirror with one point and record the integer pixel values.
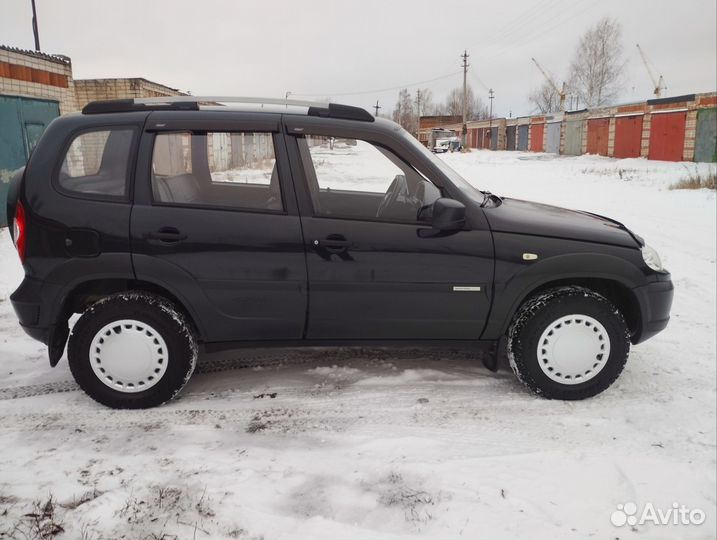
(448, 215)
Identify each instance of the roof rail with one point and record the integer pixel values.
(219, 100)
(129, 105)
(192, 103)
(345, 112)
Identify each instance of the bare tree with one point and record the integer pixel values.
(597, 67)
(475, 107)
(478, 110)
(404, 112)
(427, 105)
(545, 98)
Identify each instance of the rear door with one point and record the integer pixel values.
(215, 223)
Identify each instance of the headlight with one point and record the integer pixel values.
(651, 258)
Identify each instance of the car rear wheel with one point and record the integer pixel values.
(132, 351)
(568, 343)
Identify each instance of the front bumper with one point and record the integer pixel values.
(655, 300)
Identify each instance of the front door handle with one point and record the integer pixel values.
(334, 243)
(166, 235)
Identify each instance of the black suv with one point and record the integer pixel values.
(195, 224)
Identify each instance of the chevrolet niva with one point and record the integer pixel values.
(178, 227)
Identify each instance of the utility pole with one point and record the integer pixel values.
(465, 98)
(376, 108)
(418, 113)
(35, 30)
(491, 95)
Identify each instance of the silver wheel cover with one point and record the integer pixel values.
(573, 349)
(128, 356)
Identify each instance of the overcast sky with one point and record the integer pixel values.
(358, 52)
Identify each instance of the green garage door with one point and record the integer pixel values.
(706, 136)
(22, 121)
(574, 137)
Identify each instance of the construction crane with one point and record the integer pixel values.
(657, 84)
(561, 92)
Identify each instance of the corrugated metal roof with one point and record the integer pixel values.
(56, 58)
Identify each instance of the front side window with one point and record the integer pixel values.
(230, 170)
(97, 163)
(351, 178)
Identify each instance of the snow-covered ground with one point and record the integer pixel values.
(367, 444)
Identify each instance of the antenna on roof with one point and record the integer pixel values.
(35, 30)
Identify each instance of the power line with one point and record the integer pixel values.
(531, 35)
(480, 83)
(530, 17)
(377, 91)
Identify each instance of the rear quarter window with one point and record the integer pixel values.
(97, 163)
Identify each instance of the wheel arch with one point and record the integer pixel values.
(83, 294)
(91, 290)
(614, 290)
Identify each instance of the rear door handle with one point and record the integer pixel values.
(167, 235)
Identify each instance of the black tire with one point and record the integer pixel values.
(534, 317)
(152, 310)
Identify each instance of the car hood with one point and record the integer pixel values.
(525, 217)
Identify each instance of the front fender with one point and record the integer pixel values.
(558, 260)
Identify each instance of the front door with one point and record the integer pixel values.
(215, 223)
(377, 270)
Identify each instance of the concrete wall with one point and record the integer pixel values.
(88, 90)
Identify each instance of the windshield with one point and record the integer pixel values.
(452, 175)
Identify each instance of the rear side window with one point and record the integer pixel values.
(235, 170)
(97, 163)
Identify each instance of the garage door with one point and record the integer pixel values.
(598, 130)
(485, 138)
(523, 137)
(706, 135)
(494, 138)
(667, 136)
(573, 137)
(510, 138)
(628, 136)
(552, 139)
(536, 137)
(22, 121)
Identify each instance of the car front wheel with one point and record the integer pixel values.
(132, 350)
(568, 343)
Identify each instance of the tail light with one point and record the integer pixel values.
(19, 229)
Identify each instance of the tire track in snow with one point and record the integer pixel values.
(264, 360)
